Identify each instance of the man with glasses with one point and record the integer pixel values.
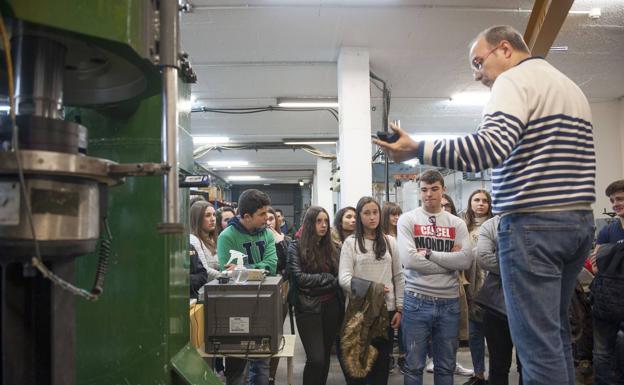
(537, 136)
(434, 246)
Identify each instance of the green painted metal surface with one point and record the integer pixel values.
(121, 21)
(189, 366)
(141, 321)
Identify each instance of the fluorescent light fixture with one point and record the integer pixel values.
(304, 141)
(5, 108)
(228, 163)
(434, 136)
(198, 139)
(559, 48)
(307, 102)
(594, 13)
(470, 98)
(243, 178)
(412, 162)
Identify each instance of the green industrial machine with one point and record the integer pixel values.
(89, 171)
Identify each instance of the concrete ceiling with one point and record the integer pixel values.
(248, 53)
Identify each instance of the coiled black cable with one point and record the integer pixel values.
(102, 266)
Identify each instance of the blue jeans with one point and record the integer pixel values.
(607, 369)
(258, 371)
(476, 341)
(425, 317)
(541, 255)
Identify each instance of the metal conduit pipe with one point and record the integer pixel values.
(169, 44)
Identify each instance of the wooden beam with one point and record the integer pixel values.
(544, 24)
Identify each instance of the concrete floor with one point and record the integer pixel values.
(336, 377)
(396, 378)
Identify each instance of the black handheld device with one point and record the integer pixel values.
(387, 136)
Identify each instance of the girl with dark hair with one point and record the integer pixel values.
(224, 214)
(479, 210)
(448, 204)
(344, 225)
(281, 240)
(373, 256)
(203, 237)
(312, 269)
(389, 218)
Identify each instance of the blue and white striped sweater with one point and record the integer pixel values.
(535, 134)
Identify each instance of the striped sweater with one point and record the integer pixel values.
(535, 134)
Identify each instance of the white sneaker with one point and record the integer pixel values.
(429, 367)
(461, 371)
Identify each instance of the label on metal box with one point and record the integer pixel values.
(239, 325)
(9, 203)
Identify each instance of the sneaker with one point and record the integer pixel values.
(475, 381)
(461, 371)
(401, 365)
(429, 367)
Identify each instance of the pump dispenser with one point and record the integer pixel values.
(239, 274)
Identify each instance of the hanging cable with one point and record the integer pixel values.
(255, 110)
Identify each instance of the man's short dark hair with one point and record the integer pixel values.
(251, 201)
(496, 34)
(615, 187)
(432, 176)
(279, 211)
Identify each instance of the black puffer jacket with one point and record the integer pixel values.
(306, 288)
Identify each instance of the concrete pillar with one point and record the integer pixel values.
(321, 193)
(355, 149)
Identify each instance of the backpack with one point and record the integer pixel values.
(608, 285)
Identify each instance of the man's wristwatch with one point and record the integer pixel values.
(428, 253)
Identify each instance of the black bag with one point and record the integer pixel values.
(491, 296)
(607, 288)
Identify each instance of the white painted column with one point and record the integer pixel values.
(321, 191)
(621, 132)
(355, 149)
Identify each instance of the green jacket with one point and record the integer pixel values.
(259, 246)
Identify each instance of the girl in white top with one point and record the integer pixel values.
(371, 255)
(203, 236)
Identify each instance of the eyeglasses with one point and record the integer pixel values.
(477, 63)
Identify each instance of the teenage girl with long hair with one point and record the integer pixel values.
(344, 225)
(389, 218)
(479, 210)
(312, 268)
(371, 255)
(203, 237)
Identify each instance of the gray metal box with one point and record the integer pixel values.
(244, 318)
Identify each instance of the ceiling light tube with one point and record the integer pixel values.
(307, 141)
(470, 98)
(307, 102)
(243, 178)
(199, 139)
(228, 163)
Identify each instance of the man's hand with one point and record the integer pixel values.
(403, 149)
(230, 267)
(396, 320)
(456, 248)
